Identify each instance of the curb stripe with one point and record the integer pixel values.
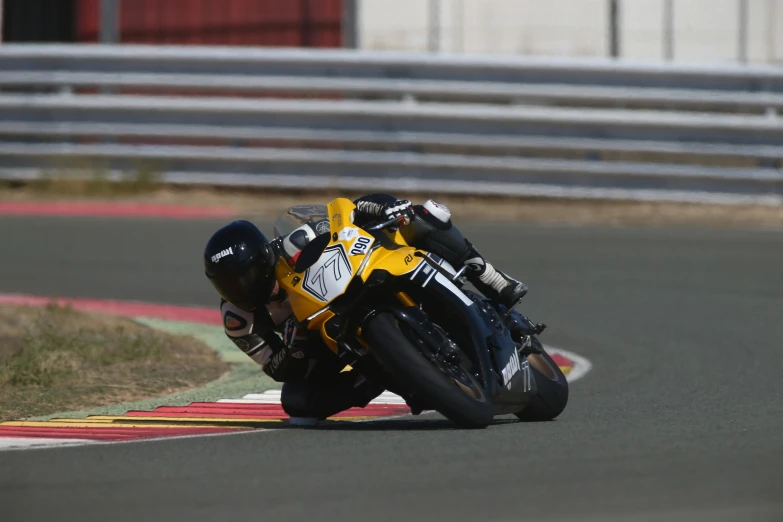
(579, 365)
(192, 314)
(110, 434)
(96, 424)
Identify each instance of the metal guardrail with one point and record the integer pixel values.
(489, 125)
(497, 92)
(364, 64)
(405, 140)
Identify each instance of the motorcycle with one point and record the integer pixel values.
(403, 317)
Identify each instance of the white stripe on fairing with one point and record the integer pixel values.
(452, 288)
(10, 443)
(416, 270)
(319, 312)
(445, 264)
(430, 277)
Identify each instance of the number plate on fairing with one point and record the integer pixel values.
(361, 246)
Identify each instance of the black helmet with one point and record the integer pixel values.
(240, 264)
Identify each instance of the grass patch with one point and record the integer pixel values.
(56, 359)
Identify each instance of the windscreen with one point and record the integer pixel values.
(297, 216)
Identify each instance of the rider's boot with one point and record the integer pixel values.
(493, 283)
(433, 230)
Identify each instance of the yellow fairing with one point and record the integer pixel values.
(396, 262)
(311, 292)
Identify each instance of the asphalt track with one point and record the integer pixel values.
(680, 419)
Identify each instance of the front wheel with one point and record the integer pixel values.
(451, 391)
(552, 388)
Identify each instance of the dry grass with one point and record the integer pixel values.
(269, 203)
(55, 359)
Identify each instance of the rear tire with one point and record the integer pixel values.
(417, 375)
(552, 395)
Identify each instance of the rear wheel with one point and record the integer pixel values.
(552, 395)
(448, 388)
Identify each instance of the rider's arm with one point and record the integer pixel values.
(254, 334)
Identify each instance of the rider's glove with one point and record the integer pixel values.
(402, 210)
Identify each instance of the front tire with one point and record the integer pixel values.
(552, 395)
(416, 374)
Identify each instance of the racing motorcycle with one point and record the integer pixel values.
(403, 317)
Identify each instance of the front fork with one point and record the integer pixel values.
(522, 329)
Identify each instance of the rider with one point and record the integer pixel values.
(239, 262)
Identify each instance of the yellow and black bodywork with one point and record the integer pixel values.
(366, 292)
(351, 253)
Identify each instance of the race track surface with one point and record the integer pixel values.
(681, 417)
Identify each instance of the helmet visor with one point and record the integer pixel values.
(248, 289)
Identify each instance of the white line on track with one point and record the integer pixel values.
(273, 397)
(9, 443)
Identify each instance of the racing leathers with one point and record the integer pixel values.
(314, 385)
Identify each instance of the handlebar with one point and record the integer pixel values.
(381, 226)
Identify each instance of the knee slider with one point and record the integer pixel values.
(296, 399)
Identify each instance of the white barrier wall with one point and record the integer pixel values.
(702, 30)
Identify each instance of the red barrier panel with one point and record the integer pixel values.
(296, 23)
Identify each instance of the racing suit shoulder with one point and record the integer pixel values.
(255, 334)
